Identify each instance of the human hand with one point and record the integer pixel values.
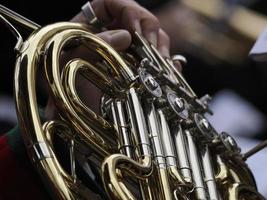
(128, 15)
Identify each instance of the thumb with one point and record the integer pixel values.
(118, 39)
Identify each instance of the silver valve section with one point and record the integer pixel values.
(178, 105)
(230, 143)
(151, 85)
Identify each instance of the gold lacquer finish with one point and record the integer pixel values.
(151, 140)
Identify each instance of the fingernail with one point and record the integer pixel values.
(152, 37)
(164, 51)
(137, 27)
(178, 65)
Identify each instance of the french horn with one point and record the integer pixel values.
(151, 140)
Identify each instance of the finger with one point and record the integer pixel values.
(164, 44)
(108, 10)
(178, 61)
(150, 28)
(79, 18)
(101, 11)
(118, 39)
(130, 19)
(178, 65)
(128, 15)
(135, 18)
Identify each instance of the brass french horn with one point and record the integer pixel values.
(151, 141)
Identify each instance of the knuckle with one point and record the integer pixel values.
(155, 21)
(150, 23)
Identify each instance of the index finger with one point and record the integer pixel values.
(128, 15)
